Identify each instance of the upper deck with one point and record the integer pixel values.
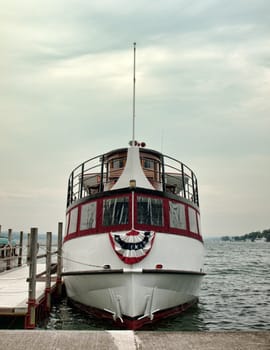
(102, 172)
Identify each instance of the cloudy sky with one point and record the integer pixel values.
(203, 96)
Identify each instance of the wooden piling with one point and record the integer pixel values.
(9, 249)
(59, 260)
(48, 271)
(28, 248)
(20, 249)
(31, 319)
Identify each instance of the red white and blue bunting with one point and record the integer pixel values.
(132, 246)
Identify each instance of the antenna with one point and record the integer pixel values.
(134, 82)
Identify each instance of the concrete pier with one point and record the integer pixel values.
(129, 340)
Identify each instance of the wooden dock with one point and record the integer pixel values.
(14, 290)
(130, 340)
(26, 288)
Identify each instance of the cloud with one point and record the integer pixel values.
(202, 91)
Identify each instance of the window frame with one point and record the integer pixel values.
(178, 229)
(149, 226)
(73, 212)
(89, 229)
(117, 227)
(191, 217)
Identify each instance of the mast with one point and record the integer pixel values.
(134, 82)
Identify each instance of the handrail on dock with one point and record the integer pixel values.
(33, 276)
(9, 254)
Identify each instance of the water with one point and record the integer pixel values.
(235, 295)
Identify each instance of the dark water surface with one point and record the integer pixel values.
(235, 295)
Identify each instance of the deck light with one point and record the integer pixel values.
(132, 183)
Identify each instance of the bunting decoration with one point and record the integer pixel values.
(132, 246)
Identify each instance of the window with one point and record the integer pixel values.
(149, 211)
(148, 164)
(192, 220)
(73, 220)
(115, 211)
(118, 163)
(66, 227)
(199, 223)
(177, 215)
(88, 216)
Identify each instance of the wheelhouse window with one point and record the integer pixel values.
(149, 211)
(148, 163)
(118, 163)
(177, 215)
(192, 220)
(115, 211)
(88, 216)
(73, 220)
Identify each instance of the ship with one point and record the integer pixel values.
(133, 249)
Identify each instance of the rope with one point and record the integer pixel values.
(81, 263)
(75, 261)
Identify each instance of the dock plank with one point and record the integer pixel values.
(14, 289)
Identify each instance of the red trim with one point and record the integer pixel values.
(32, 304)
(105, 229)
(136, 323)
(166, 215)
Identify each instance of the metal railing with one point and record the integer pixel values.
(166, 174)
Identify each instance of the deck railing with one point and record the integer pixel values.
(168, 175)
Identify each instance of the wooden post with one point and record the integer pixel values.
(28, 248)
(9, 249)
(59, 260)
(31, 316)
(2, 250)
(20, 249)
(48, 271)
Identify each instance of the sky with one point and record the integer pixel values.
(202, 96)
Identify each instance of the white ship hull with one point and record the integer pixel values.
(138, 292)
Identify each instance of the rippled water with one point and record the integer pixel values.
(235, 294)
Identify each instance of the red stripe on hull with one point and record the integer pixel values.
(135, 323)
